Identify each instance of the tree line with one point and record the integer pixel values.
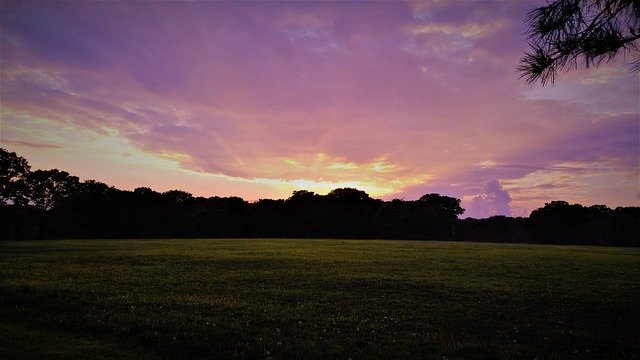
(52, 204)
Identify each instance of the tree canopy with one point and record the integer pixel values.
(566, 33)
(46, 204)
(448, 204)
(13, 172)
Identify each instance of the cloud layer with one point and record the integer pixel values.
(394, 98)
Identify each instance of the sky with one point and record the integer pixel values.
(258, 99)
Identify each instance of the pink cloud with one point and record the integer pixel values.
(494, 201)
(317, 91)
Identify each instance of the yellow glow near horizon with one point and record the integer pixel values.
(324, 187)
(113, 159)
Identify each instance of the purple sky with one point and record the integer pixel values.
(258, 99)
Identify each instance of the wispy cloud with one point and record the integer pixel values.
(395, 98)
(29, 144)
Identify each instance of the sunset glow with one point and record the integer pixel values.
(258, 99)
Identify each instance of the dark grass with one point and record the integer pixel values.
(316, 299)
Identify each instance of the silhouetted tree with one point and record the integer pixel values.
(13, 172)
(349, 213)
(303, 197)
(146, 193)
(439, 214)
(348, 195)
(449, 205)
(177, 196)
(47, 188)
(559, 222)
(268, 218)
(497, 228)
(625, 226)
(59, 206)
(307, 214)
(403, 220)
(564, 33)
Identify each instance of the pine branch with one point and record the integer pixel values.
(563, 32)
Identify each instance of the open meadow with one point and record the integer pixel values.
(263, 298)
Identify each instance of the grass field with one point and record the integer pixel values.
(316, 299)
